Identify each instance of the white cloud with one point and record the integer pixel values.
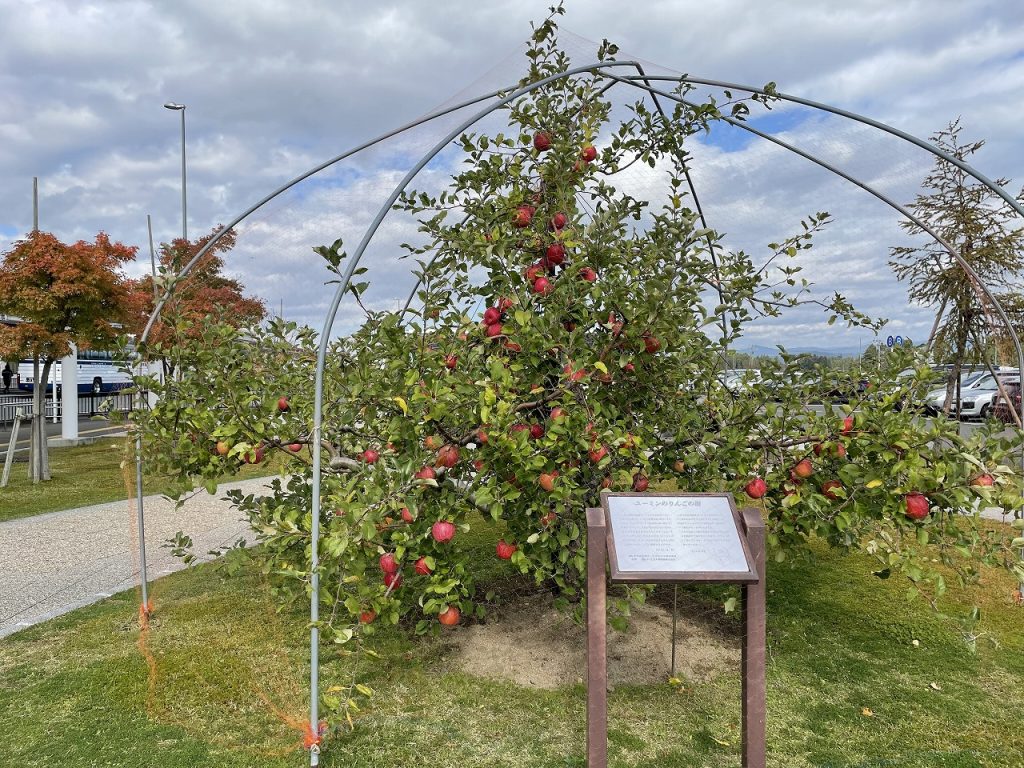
(274, 88)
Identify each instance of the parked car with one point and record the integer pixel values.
(976, 394)
(739, 379)
(1001, 409)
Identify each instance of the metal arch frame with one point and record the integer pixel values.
(318, 387)
(642, 81)
(975, 279)
(158, 308)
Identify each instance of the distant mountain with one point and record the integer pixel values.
(760, 349)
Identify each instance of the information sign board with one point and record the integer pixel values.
(663, 537)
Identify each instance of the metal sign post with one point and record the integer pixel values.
(658, 543)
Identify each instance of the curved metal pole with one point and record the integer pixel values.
(419, 280)
(689, 183)
(966, 167)
(158, 308)
(321, 361)
(972, 275)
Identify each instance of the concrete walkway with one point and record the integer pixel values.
(53, 563)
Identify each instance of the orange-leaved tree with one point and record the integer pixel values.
(204, 293)
(65, 294)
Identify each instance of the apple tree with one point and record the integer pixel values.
(568, 339)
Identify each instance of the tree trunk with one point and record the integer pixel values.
(953, 380)
(38, 456)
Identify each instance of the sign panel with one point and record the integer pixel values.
(890, 341)
(676, 537)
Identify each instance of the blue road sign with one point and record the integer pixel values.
(890, 341)
(899, 341)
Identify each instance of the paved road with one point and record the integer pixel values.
(53, 563)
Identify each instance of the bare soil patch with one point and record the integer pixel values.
(530, 643)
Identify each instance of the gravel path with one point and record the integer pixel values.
(53, 563)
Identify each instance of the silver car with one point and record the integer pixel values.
(978, 403)
(975, 393)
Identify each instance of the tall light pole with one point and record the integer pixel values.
(184, 208)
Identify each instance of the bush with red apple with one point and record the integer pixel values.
(580, 362)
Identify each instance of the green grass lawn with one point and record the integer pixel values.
(88, 474)
(229, 672)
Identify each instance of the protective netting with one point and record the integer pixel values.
(750, 190)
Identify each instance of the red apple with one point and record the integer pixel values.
(393, 580)
(542, 286)
(388, 564)
(493, 330)
(548, 519)
(505, 304)
(555, 253)
(640, 482)
(547, 482)
(818, 448)
(574, 374)
(542, 141)
(491, 315)
(367, 616)
(282, 404)
(596, 454)
(505, 550)
(756, 488)
(407, 515)
(556, 413)
(427, 473)
(629, 368)
(559, 220)
(536, 431)
(917, 506)
(679, 465)
(523, 216)
(481, 436)
(422, 567)
(442, 531)
(803, 468)
(222, 448)
(534, 271)
(651, 344)
(512, 346)
(295, 447)
(451, 362)
(448, 456)
(449, 616)
(827, 489)
(588, 153)
(839, 450)
(847, 425)
(983, 481)
(370, 456)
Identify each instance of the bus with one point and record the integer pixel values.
(98, 373)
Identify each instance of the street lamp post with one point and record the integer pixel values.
(184, 208)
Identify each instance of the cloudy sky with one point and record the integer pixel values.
(273, 88)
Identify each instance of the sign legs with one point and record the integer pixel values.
(753, 655)
(597, 636)
(754, 652)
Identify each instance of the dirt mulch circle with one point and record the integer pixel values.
(530, 643)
